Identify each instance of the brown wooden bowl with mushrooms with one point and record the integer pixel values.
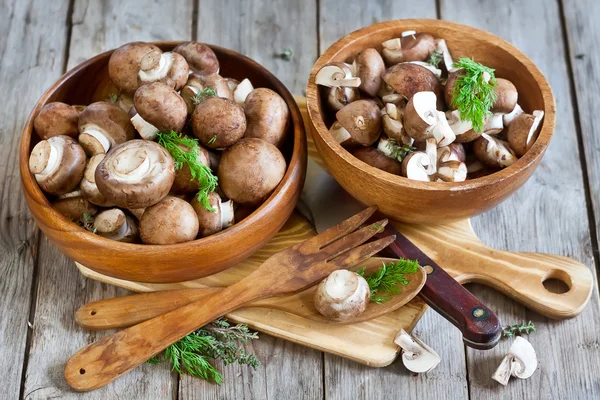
(379, 183)
(89, 82)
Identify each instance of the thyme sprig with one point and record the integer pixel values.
(203, 94)
(435, 58)
(217, 340)
(176, 144)
(397, 150)
(87, 222)
(388, 279)
(113, 98)
(521, 329)
(474, 94)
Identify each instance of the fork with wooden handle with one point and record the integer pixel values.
(288, 271)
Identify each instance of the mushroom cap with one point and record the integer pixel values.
(415, 165)
(184, 182)
(161, 106)
(493, 152)
(362, 120)
(114, 224)
(408, 79)
(88, 187)
(218, 122)
(124, 65)
(522, 132)
(342, 295)
(200, 58)
(506, 96)
(267, 116)
(73, 205)
(55, 119)
(169, 68)
(417, 47)
(250, 170)
(338, 96)
(452, 171)
(57, 164)
(218, 83)
(110, 120)
(135, 174)
(209, 221)
(369, 67)
(170, 221)
(420, 115)
(377, 159)
(449, 88)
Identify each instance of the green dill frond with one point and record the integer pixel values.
(435, 58)
(173, 143)
(473, 97)
(397, 150)
(212, 139)
(113, 98)
(203, 94)
(386, 281)
(518, 329)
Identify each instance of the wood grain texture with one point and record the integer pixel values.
(548, 215)
(23, 75)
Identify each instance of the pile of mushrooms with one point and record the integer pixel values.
(103, 163)
(394, 111)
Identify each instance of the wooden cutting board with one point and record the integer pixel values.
(455, 247)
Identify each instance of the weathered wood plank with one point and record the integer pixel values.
(345, 379)
(547, 215)
(97, 27)
(31, 55)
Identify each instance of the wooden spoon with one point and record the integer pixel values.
(125, 311)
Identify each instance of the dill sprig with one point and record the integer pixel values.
(435, 58)
(386, 281)
(113, 98)
(518, 329)
(397, 150)
(174, 142)
(203, 94)
(87, 222)
(217, 340)
(473, 96)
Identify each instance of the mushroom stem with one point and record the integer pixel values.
(227, 214)
(92, 134)
(521, 362)
(494, 125)
(431, 151)
(508, 118)
(442, 47)
(155, 66)
(241, 91)
(44, 159)
(339, 133)
(144, 128)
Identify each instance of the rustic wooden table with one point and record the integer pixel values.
(557, 211)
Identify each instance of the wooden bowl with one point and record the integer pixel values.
(433, 202)
(170, 263)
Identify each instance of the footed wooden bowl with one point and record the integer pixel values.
(89, 82)
(433, 202)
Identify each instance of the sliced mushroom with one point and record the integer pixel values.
(124, 65)
(494, 124)
(442, 132)
(454, 151)
(408, 78)
(250, 170)
(241, 91)
(442, 47)
(114, 224)
(392, 51)
(135, 174)
(392, 121)
(452, 171)
(523, 131)
(184, 181)
(463, 130)
(411, 46)
(211, 222)
(88, 183)
(420, 115)
(378, 159)
(73, 205)
(431, 151)
(506, 96)
(415, 166)
(200, 58)
(342, 295)
(267, 116)
(521, 362)
(493, 152)
(102, 126)
(359, 123)
(416, 355)
(510, 117)
(339, 97)
(171, 220)
(57, 164)
(169, 68)
(436, 71)
(218, 123)
(368, 67)
(56, 119)
(336, 74)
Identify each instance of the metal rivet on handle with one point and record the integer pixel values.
(479, 312)
(428, 269)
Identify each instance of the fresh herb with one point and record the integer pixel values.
(435, 58)
(518, 329)
(176, 144)
(212, 139)
(397, 150)
(87, 222)
(203, 94)
(386, 281)
(287, 54)
(113, 98)
(474, 93)
(217, 340)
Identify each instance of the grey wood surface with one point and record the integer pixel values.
(556, 211)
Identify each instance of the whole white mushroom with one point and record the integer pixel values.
(342, 295)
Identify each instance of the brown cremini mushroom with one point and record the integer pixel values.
(200, 58)
(184, 182)
(114, 224)
(124, 65)
(377, 159)
(368, 67)
(88, 183)
(241, 91)
(523, 131)
(197, 83)
(463, 129)
(339, 97)
(74, 206)
(415, 166)
(336, 74)
(408, 78)
(452, 171)
(267, 116)
(211, 222)
(56, 119)
(218, 123)
(169, 68)
(102, 126)
(412, 46)
(506, 96)
(510, 117)
(493, 152)
(170, 221)
(358, 123)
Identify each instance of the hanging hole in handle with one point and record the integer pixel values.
(557, 281)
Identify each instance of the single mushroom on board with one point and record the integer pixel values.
(506, 96)
(521, 362)
(523, 131)
(417, 357)
(74, 205)
(408, 78)
(184, 182)
(124, 65)
(57, 164)
(378, 159)
(358, 123)
(88, 183)
(267, 116)
(158, 108)
(218, 123)
(416, 165)
(368, 66)
(170, 221)
(102, 126)
(114, 224)
(337, 74)
(342, 295)
(135, 174)
(200, 58)
(493, 152)
(56, 119)
(241, 91)
(211, 222)
(250, 170)
(169, 68)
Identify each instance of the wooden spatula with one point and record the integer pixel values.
(288, 271)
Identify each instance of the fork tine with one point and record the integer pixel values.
(341, 229)
(353, 240)
(362, 253)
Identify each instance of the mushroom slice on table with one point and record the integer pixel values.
(184, 181)
(523, 131)
(170, 221)
(337, 74)
(241, 91)
(114, 224)
(506, 96)
(56, 119)
(88, 183)
(169, 68)
(358, 123)
(368, 66)
(135, 174)
(521, 362)
(407, 79)
(416, 355)
(57, 164)
(200, 58)
(124, 65)
(493, 152)
(342, 295)
(339, 97)
(218, 123)
(211, 222)
(74, 205)
(378, 159)
(102, 126)
(250, 170)
(267, 116)
(415, 166)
